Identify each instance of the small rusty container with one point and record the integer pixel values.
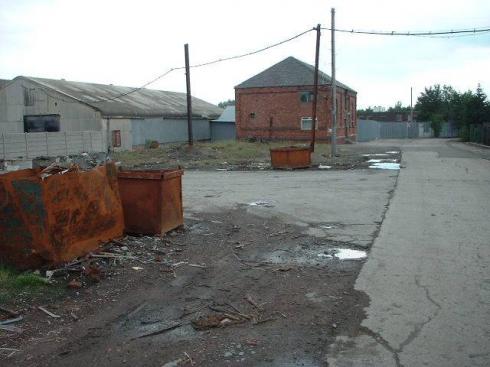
(290, 157)
(54, 219)
(151, 200)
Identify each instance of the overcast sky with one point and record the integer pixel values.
(130, 42)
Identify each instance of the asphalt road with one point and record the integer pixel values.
(427, 275)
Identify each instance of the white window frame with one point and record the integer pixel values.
(303, 119)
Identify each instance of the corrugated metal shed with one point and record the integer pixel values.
(4, 82)
(289, 72)
(141, 103)
(228, 115)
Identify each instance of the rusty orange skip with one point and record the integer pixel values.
(152, 200)
(56, 219)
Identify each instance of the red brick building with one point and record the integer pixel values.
(277, 104)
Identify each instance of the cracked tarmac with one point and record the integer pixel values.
(427, 269)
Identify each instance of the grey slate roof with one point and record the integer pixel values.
(228, 115)
(4, 82)
(289, 72)
(142, 103)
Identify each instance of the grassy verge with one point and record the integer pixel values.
(17, 287)
(212, 154)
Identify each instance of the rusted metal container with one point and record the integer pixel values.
(51, 220)
(290, 157)
(152, 200)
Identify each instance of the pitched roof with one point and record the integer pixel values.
(4, 82)
(141, 103)
(289, 72)
(228, 115)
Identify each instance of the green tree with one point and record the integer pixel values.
(224, 104)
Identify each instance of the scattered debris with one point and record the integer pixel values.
(48, 312)
(393, 152)
(215, 321)
(74, 284)
(160, 331)
(321, 166)
(137, 268)
(11, 321)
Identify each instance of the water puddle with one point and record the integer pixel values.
(375, 155)
(382, 160)
(386, 165)
(263, 203)
(348, 254)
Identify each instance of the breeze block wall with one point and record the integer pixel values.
(275, 113)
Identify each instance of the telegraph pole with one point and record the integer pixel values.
(315, 90)
(334, 90)
(411, 106)
(189, 98)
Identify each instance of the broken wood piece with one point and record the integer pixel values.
(250, 300)
(264, 321)
(48, 312)
(11, 321)
(158, 332)
(197, 266)
(189, 359)
(11, 328)
(136, 310)
(9, 311)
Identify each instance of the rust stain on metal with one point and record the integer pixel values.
(59, 218)
(291, 157)
(152, 200)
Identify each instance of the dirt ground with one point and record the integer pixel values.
(240, 155)
(275, 302)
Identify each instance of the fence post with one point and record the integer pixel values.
(47, 146)
(91, 145)
(27, 147)
(103, 149)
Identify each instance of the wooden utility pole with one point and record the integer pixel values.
(189, 97)
(411, 106)
(334, 90)
(315, 88)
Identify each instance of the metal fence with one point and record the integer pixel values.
(32, 145)
(480, 133)
(369, 130)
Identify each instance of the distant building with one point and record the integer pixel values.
(126, 116)
(223, 128)
(277, 104)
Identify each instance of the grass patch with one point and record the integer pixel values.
(212, 154)
(24, 286)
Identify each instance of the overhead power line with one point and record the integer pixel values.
(417, 34)
(206, 64)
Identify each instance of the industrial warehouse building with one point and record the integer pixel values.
(277, 104)
(45, 117)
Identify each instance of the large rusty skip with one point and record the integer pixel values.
(152, 200)
(290, 157)
(56, 219)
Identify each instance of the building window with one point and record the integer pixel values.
(116, 138)
(306, 96)
(41, 123)
(252, 115)
(306, 123)
(28, 96)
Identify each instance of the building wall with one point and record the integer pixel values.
(125, 128)
(275, 113)
(167, 130)
(74, 116)
(223, 130)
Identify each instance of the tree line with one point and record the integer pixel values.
(437, 104)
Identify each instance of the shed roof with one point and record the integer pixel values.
(228, 115)
(141, 103)
(289, 72)
(4, 82)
